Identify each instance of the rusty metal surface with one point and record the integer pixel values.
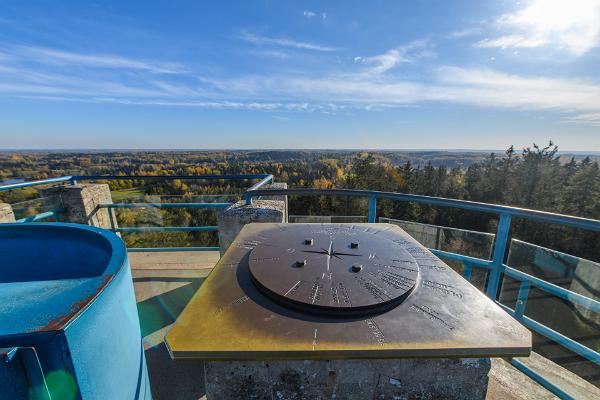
(232, 317)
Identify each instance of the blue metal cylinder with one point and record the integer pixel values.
(69, 327)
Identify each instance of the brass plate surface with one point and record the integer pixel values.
(231, 318)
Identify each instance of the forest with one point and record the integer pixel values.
(536, 177)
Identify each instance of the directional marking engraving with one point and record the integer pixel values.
(230, 265)
(314, 343)
(265, 259)
(436, 267)
(295, 288)
(345, 295)
(315, 291)
(249, 244)
(442, 288)
(236, 302)
(376, 331)
(373, 289)
(334, 294)
(431, 314)
(395, 280)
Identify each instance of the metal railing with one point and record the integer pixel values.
(73, 179)
(496, 266)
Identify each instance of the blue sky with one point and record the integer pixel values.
(285, 74)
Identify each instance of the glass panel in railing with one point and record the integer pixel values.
(153, 216)
(31, 209)
(563, 314)
(167, 239)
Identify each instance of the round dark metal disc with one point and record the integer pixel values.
(333, 269)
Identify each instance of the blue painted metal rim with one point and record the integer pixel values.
(118, 251)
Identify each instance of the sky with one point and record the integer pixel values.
(288, 74)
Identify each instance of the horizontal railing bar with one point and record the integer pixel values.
(553, 289)
(166, 229)
(168, 177)
(41, 216)
(557, 337)
(164, 249)
(541, 380)
(36, 183)
(165, 205)
(544, 216)
(478, 262)
(72, 178)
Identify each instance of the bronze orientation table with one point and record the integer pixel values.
(342, 310)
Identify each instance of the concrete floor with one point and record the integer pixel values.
(165, 282)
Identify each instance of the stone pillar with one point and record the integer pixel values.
(81, 202)
(6, 213)
(465, 378)
(277, 185)
(232, 220)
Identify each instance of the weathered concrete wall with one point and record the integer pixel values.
(267, 209)
(6, 213)
(348, 379)
(81, 203)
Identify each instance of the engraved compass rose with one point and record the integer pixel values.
(335, 270)
(330, 252)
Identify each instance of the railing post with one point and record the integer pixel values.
(111, 216)
(498, 257)
(372, 209)
(468, 270)
(522, 299)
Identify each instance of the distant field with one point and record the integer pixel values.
(120, 195)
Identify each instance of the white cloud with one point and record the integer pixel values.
(309, 14)
(464, 33)
(384, 62)
(60, 57)
(572, 25)
(507, 41)
(584, 119)
(574, 100)
(284, 42)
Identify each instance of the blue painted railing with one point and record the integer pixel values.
(73, 179)
(495, 266)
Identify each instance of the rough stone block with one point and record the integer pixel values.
(6, 213)
(277, 185)
(348, 379)
(232, 220)
(81, 202)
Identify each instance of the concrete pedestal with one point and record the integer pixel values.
(6, 213)
(232, 220)
(465, 378)
(81, 203)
